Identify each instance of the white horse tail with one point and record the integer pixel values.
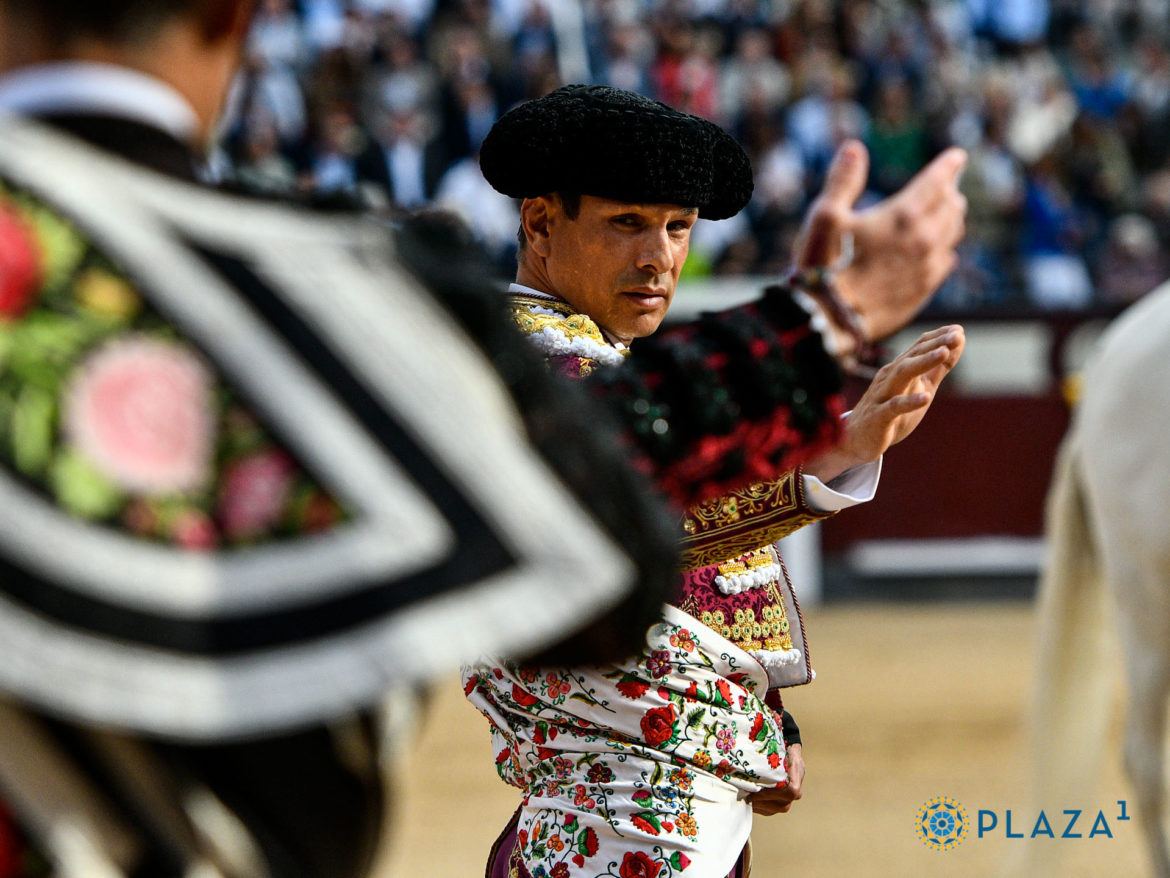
(1073, 669)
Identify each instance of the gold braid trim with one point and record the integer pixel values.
(736, 523)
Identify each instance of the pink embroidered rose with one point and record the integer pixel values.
(253, 492)
(725, 740)
(638, 864)
(19, 264)
(140, 410)
(658, 725)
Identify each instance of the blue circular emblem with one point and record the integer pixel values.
(941, 823)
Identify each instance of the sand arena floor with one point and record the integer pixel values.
(911, 702)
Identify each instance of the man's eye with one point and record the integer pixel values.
(626, 220)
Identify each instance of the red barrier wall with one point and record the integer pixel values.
(976, 466)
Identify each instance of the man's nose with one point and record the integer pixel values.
(657, 254)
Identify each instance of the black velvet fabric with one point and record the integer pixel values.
(597, 140)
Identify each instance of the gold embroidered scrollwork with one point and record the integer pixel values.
(735, 523)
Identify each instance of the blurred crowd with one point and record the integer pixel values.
(1064, 106)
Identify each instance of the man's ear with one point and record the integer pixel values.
(226, 19)
(535, 216)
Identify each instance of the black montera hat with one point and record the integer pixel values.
(596, 140)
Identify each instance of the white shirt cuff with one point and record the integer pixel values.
(854, 486)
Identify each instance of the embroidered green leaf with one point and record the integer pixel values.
(81, 488)
(571, 823)
(61, 246)
(695, 717)
(656, 775)
(32, 430)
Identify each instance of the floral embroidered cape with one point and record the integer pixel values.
(641, 769)
(644, 769)
(108, 410)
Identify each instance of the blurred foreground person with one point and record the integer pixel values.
(256, 473)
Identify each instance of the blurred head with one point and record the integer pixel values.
(193, 45)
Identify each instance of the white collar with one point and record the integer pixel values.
(85, 87)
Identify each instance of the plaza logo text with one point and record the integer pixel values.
(942, 823)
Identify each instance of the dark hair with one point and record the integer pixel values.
(63, 21)
(570, 203)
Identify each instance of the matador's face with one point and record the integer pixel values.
(619, 262)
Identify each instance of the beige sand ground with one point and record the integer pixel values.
(911, 702)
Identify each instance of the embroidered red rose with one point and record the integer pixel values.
(774, 760)
(637, 864)
(503, 756)
(658, 725)
(523, 697)
(632, 688)
(19, 264)
(560, 870)
(590, 842)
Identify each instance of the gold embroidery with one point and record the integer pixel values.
(749, 629)
(740, 522)
(573, 325)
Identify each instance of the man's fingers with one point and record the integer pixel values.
(910, 402)
(845, 179)
(844, 183)
(939, 179)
